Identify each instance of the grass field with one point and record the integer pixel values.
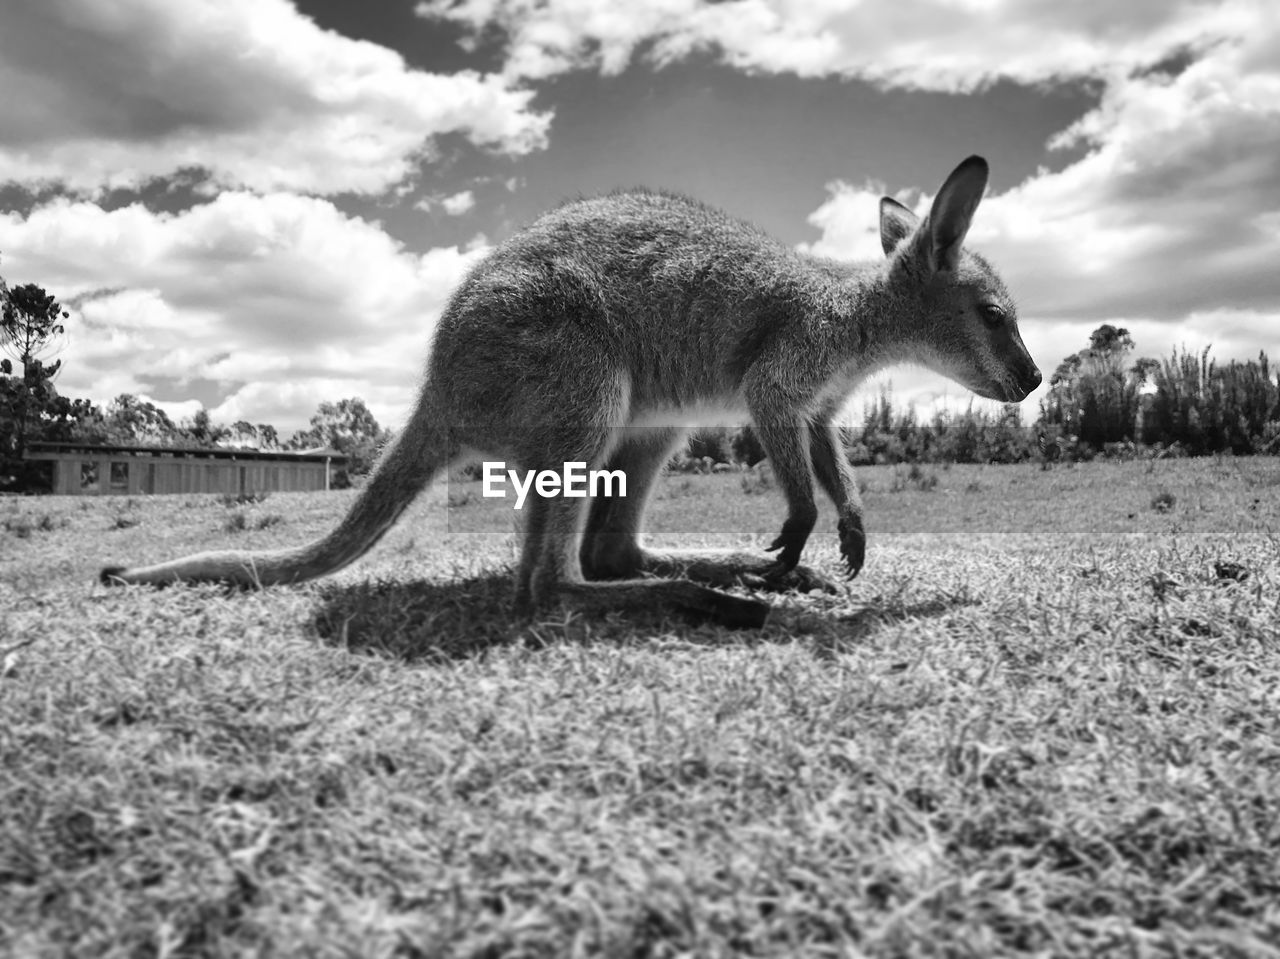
(1045, 720)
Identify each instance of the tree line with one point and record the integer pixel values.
(1101, 402)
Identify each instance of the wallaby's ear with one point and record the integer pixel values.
(953, 209)
(896, 222)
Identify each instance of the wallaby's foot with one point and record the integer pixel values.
(853, 543)
(735, 612)
(736, 569)
(803, 579)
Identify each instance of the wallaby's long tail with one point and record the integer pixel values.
(417, 454)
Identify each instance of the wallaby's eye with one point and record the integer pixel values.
(992, 314)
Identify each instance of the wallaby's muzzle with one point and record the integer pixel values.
(1029, 380)
(1033, 380)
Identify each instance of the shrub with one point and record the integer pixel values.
(243, 499)
(913, 476)
(758, 479)
(23, 526)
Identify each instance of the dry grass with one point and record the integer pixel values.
(1042, 722)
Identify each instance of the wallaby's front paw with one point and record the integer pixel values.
(853, 543)
(795, 533)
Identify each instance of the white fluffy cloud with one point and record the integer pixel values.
(283, 299)
(455, 204)
(954, 45)
(113, 94)
(459, 203)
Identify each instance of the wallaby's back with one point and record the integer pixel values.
(682, 294)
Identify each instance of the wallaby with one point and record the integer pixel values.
(603, 331)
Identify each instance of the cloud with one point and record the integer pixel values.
(849, 221)
(549, 38)
(951, 45)
(113, 94)
(282, 300)
(455, 205)
(459, 203)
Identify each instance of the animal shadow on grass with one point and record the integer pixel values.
(461, 619)
(840, 630)
(456, 619)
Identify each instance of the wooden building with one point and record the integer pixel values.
(81, 469)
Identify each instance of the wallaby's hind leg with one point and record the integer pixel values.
(735, 568)
(531, 550)
(559, 572)
(551, 560)
(611, 545)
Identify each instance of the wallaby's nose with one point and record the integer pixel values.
(1034, 380)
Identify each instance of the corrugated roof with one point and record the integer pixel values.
(195, 452)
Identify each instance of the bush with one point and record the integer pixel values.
(710, 443)
(913, 476)
(243, 499)
(746, 447)
(758, 479)
(23, 526)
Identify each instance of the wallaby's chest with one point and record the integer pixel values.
(729, 411)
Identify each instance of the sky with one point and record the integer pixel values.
(256, 206)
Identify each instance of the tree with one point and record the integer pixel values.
(202, 431)
(268, 438)
(1093, 394)
(30, 325)
(1109, 341)
(243, 433)
(348, 427)
(132, 420)
(1207, 408)
(261, 436)
(30, 322)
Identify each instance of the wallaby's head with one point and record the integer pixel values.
(963, 321)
